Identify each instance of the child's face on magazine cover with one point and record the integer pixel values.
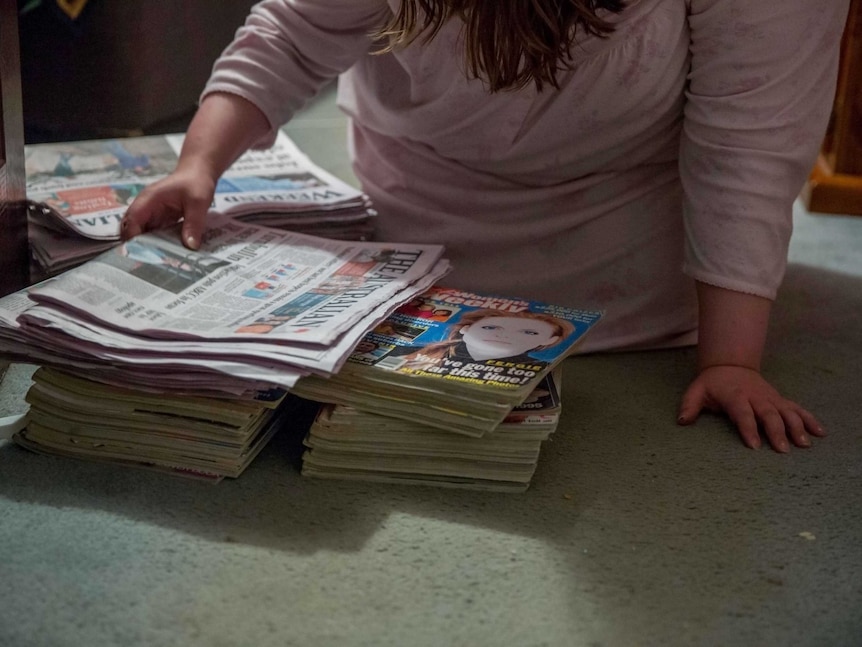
(496, 337)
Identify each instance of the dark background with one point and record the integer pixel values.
(121, 67)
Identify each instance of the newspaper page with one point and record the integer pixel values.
(86, 186)
(245, 283)
(472, 339)
(46, 323)
(55, 251)
(279, 179)
(216, 376)
(48, 336)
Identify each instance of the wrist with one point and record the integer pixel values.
(198, 166)
(734, 367)
(732, 328)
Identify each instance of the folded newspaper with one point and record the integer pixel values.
(79, 191)
(254, 308)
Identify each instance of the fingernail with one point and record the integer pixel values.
(192, 242)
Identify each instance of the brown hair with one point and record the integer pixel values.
(439, 350)
(507, 43)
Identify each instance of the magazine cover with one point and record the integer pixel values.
(475, 339)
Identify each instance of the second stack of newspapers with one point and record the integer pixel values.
(350, 444)
(453, 389)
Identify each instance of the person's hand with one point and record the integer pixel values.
(224, 126)
(184, 195)
(751, 403)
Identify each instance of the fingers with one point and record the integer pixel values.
(753, 406)
(781, 422)
(741, 413)
(784, 421)
(129, 229)
(693, 401)
(773, 426)
(144, 214)
(194, 222)
(131, 226)
(795, 427)
(812, 425)
(164, 203)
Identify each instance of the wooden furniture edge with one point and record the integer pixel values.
(830, 192)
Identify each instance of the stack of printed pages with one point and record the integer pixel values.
(79, 191)
(442, 392)
(454, 360)
(346, 443)
(199, 437)
(253, 310)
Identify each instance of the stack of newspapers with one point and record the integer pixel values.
(200, 437)
(79, 191)
(251, 312)
(453, 388)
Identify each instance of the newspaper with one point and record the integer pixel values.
(254, 303)
(245, 282)
(55, 251)
(85, 187)
(116, 345)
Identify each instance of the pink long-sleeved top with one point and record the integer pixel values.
(672, 151)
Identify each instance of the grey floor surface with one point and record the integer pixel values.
(635, 531)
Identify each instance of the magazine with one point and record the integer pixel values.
(535, 418)
(454, 359)
(346, 443)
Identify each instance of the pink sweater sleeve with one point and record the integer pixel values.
(760, 91)
(287, 50)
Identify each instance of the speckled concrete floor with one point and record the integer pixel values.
(635, 532)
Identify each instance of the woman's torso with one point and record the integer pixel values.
(570, 196)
